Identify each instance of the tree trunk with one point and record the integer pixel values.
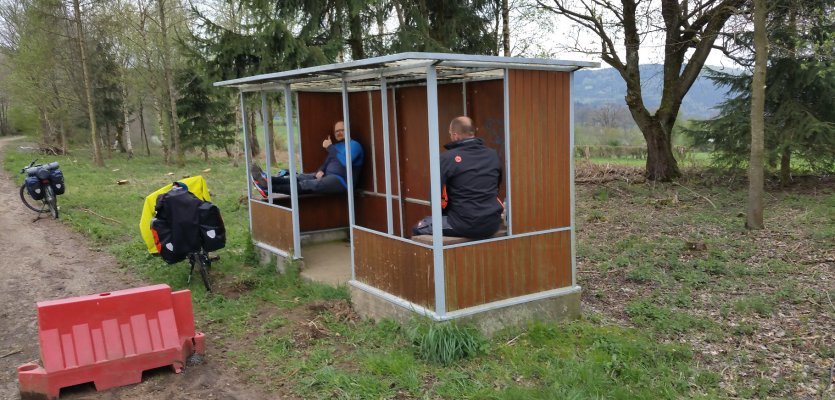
(118, 137)
(44, 125)
(355, 26)
(271, 127)
(506, 28)
(205, 150)
(172, 93)
(661, 164)
(756, 190)
(233, 154)
(162, 121)
(88, 87)
(143, 134)
(126, 114)
(63, 131)
(106, 138)
(255, 148)
(785, 166)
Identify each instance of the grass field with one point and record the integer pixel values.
(679, 300)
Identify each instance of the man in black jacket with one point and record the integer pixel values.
(470, 178)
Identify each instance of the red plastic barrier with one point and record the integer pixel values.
(109, 339)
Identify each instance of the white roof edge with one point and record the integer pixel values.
(381, 61)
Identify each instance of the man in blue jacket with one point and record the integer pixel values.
(330, 178)
(470, 178)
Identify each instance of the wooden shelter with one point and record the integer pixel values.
(399, 107)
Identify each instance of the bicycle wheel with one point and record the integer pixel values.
(203, 264)
(51, 201)
(24, 197)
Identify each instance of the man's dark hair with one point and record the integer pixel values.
(462, 125)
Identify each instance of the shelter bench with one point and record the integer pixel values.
(449, 240)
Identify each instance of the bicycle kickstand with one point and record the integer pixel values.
(190, 271)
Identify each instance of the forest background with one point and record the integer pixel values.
(136, 77)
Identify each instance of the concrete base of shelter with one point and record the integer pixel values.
(562, 307)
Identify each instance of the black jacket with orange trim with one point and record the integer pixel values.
(471, 174)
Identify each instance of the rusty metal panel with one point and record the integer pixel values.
(377, 107)
(413, 142)
(371, 212)
(318, 112)
(485, 105)
(539, 129)
(272, 226)
(395, 266)
(320, 212)
(412, 130)
(360, 114)
(412, 213)
(498, 270)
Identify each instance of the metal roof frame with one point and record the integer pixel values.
(405, 66)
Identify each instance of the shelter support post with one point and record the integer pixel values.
(435, 186)
(247, 158)
(294, 190)
(384, 102)
(508, 178)
(571, 174)
(349, 169)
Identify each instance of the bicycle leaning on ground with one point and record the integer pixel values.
(41, 187)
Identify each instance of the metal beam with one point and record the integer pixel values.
(508, 180)
(294, 185)
(349, 169)
(571, 175)
(247, 160)
(384, 102)
(435, 186)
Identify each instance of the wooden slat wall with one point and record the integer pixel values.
(539, 150)
(272, 226)
(371, 213)
(412, 130)
(413, 142)
(397, 267)
(361, 131)
(318, 213)
(370, 209)
(379, 156)
(498, 270)
(317, 114)
(485, 105)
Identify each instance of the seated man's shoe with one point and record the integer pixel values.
(259, 178)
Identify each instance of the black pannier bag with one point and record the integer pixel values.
(161, 230)
(177, 211)
(33, 186)
(56, 179)
(212, 230)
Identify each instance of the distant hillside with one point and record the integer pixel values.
(602, 86)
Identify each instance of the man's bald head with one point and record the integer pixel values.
(462, 126)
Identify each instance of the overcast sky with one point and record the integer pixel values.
(546, 35)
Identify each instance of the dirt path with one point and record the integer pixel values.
(46, 260)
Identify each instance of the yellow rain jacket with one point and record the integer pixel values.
(195, 184)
